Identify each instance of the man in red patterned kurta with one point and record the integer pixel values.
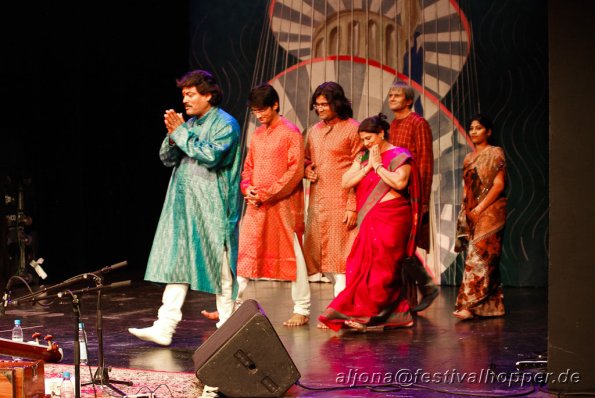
(331, 146)
(271, 230)
(410, 130)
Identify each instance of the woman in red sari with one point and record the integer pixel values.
(388, 194)
(480, 225)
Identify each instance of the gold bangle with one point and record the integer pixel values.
(377, 167)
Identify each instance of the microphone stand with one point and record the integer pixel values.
(77, 317)
(101, 376)
(76, 344)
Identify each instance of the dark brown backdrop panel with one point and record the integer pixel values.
(571, 345)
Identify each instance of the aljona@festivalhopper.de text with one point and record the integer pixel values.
(408, 377)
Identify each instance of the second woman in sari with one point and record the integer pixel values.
(387, 193)
(480, 225)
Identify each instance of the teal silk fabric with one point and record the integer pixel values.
(199, 219)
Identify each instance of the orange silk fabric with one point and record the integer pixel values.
(275, 166)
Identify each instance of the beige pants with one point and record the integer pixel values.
(338, 281)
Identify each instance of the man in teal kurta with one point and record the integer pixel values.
(196, 242)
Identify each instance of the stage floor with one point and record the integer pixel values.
(446, 354)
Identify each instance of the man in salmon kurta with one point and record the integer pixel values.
(331, 146)
(272, 228)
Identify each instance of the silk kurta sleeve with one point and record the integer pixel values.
(294, 174)
(356, 147)
(209, 152)
(170, 155)
(425, 159)
(247, 172)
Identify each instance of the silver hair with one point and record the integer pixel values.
(407, 90)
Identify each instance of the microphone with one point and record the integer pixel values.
(6, 297)
(5, 301)
(37, 267)
(117, 285)
(113, 267)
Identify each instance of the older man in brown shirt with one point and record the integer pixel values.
(410, 130)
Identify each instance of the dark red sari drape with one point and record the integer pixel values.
(374, 291)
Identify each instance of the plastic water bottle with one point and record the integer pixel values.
(17, 331)
(17, 335)
(83, 344)
(66, 387)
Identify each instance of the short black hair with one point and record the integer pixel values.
(263, 96)
(204, 82)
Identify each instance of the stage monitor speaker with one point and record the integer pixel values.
(245, 357)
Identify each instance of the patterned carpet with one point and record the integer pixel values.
(162, 384)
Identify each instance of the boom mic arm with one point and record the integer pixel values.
(33, 296)
(114, 285)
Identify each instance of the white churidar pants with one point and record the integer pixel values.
(300, 288)
(170, 312)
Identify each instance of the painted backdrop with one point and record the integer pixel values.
(461, 57)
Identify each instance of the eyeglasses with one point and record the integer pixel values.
(321, 105)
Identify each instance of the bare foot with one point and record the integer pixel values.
(213, 316)
(359, 327)
(463, 314)
(322, 326)
(355, 326)
(399, 326)
(297, 320)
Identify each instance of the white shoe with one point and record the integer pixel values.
(152, 334)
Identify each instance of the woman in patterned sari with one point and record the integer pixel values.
(387, 194)
(480, 225)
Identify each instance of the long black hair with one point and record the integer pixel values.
(334, 94)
